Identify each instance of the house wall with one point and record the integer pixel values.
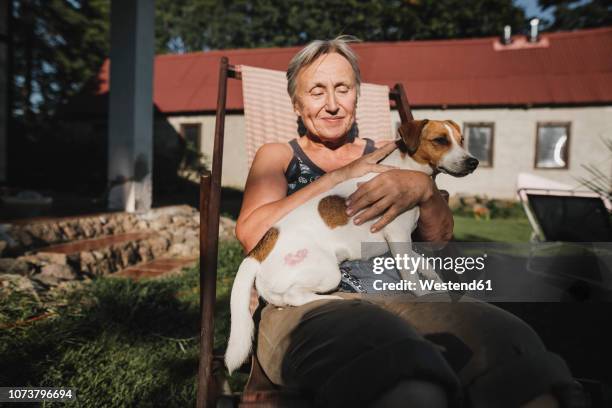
(235, 167)
(513, 152)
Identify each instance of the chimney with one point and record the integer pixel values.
(533, 32)
(507, 36)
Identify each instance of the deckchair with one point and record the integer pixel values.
(374, 121)
(558, 212)
(570, 216)
(566, 223)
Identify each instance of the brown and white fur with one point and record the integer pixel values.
(298, 258)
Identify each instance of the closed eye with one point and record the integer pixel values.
(342, 89)
(441, 141)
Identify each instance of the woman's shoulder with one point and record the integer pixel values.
(274, 153)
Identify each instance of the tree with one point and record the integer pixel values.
(578, 14)
(207, 24)
(59, 46)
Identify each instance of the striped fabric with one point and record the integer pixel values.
(269, 116)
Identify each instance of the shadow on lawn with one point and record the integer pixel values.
(473, 238)
(118, 342)
(115, 308)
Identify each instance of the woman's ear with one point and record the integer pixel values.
(297, 107)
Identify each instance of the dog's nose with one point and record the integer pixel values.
(471, 163)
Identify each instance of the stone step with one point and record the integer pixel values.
(23, 236)
(102, 256)
(84, 245)
(156, 268)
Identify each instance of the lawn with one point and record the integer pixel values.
(124, 343)
(496, 229)
(117, 342)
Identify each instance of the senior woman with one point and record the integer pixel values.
(370, 350)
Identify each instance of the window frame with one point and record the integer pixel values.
(568, 127)
(466, 138)
(184, 125)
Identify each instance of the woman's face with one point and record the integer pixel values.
(326, 97)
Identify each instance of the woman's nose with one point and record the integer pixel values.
(331, 104)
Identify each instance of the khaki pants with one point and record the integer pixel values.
(347, 352)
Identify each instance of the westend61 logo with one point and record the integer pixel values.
(418, 262)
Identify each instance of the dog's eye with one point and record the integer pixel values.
(440, 140)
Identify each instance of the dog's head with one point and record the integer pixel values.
(438, 144)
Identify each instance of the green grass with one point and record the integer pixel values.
(117, 342)
(497, 230)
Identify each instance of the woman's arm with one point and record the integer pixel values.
(265, 198)
(436, 219)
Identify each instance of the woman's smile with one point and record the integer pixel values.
(334, 120)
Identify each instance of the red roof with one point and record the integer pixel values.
(565, 68)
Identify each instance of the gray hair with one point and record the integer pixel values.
(314, 50)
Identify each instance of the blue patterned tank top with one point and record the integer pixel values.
(301, 170)
(356, 276)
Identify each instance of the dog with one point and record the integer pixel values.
(298, 258)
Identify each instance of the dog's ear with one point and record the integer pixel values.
(411, 134)
(454, 124)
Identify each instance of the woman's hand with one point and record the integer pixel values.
(364, 165)
(390, 194)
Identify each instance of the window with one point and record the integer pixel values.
(552, 145)
(479, 142)
(191, 135)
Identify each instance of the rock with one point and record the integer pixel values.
(159, 245)
(42, 232)
(179, 220)
(24, 238)
(86, 258)
(53, 274)
(68, 231)
(14, 266)
(48, 257)
(145, 253)
(180, 250)
(3, 246)
(88, 231)
(108, 229)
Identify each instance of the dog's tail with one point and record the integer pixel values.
(242, 327)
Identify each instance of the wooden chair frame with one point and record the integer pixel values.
(210, 202)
